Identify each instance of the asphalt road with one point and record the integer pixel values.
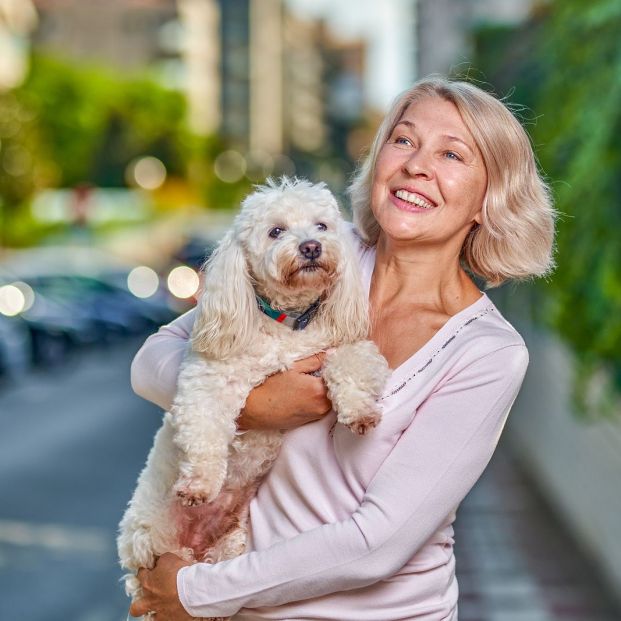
(72, 442)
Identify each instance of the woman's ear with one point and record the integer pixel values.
(346, 309)
(227, 311)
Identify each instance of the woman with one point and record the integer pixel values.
(353, 530)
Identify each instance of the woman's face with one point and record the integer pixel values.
(430, 180)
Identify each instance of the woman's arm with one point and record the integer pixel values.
(155, 367)
(435, 463)
(285, 400)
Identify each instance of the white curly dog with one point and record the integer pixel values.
(282, 285)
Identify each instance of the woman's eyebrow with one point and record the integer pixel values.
(404, 122)
(449, 137)
(460, 140)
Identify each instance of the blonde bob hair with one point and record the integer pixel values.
(516, 236)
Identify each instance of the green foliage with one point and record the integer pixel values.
(569, 73)
(20, 167)
(216, 193)
(93, 123)
(76, 124)
(579, 129)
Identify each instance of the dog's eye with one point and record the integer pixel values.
(276, 231)
(321, 226)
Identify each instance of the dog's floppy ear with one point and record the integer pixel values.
(346, 309)
(227, 309)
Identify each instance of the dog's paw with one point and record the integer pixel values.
(133, 587)
(187, 554)
(194, 491)
(360, 421)
(189, 494)
(363, 424)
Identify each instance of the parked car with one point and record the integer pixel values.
(194, 252)
(15, 347)
(109, 306)
(79, 297)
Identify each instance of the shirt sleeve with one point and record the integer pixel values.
(155, 367)
(432, 467)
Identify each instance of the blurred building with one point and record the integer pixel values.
(443, 27)
(127, 34)
(304, 108)
(323, 85)
(18, 18)
(233, 51)
(273, 81)
(266, 76)
(201, 51)
(345, 61)
(267, 81)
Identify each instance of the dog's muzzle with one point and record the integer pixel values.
(310, 249)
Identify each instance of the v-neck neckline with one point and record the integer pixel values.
(440, 335)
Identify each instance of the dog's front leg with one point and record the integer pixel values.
(355, 375)
(209, 399)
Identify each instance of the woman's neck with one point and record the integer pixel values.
(422, 275)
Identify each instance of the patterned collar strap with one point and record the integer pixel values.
(294, 320)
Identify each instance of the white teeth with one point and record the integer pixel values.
(413, 198)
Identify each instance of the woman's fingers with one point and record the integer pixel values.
(309, 365)
(288, 399)
(159, 590)
(139, 607)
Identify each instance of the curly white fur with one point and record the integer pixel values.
(192, 496)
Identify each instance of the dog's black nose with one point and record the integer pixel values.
(310, 249)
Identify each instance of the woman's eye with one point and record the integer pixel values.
(321, 226)
(451, 155)
(275, 232)
(402, 141)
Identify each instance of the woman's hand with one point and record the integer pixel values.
(287, 399)
(159, 587)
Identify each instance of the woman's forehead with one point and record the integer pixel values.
(440, 116)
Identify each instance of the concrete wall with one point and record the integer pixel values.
(575, 462)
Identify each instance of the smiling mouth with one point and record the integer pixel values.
(413, 199)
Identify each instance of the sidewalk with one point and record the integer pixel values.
(514, 560)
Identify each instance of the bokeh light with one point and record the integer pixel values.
(259, 165)
(283, 165)
(27, 292)
(183, 282)
(17, 161)
(230, 166)
(143, 281)
(12, 300)
(147, 172)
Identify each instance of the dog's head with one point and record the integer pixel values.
(289, 245)
(292, 238)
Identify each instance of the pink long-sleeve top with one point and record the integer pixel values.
(360, 528)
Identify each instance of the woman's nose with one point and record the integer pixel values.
(418, 164)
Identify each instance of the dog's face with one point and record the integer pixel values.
(289, 245)
(291, 238)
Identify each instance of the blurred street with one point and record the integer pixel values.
(73, 440)
(515, 560)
